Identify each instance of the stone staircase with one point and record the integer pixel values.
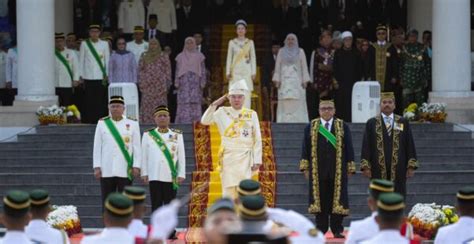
(59, 159)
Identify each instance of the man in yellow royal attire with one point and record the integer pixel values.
(240, 154)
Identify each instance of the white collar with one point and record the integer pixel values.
(38, 223)
(137, 222)
(391, 116)
(465, 219)
(15, 234)
(390, 232)
(115, 231)
(324, 121)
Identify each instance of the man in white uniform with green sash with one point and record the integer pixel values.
(117, 151)
(240, 154)
(163, 159)
(66, 70)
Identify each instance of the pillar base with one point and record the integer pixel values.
(459, 105)
(23, 113)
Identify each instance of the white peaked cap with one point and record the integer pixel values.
(346, 34)
(238, 88)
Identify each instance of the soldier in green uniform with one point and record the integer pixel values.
(414, 70)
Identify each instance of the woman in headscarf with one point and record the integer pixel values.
(154, 80)
(241, 60)
(189, 82)
(291, 77)
(122, 64)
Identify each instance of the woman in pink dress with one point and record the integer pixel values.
(189, 82)
(154, 80)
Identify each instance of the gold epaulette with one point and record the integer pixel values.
(132, 119)
(176, 131)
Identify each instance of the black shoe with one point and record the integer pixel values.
(339, 235)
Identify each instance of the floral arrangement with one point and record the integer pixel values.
(433, 112)
(428, 218)
(65, 218)
(73, 114)
(51, 115)
(410, 112)
(428, 112)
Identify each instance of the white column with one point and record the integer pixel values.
(35, 32)
(64, 15)
(451, 70)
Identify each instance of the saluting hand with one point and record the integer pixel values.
(220, 101)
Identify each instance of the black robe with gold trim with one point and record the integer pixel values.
(343, 163)
(389, 157)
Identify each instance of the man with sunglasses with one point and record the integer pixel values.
(327, 160)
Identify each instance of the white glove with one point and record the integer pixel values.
(164, 220)
(290, 219)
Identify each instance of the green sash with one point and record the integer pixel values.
(162, 146)
(118, 138)
(63, 60)
(328, 135)
(99, 61)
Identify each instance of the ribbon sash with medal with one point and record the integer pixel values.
(121, 144)
(328, 135)
(169, 158)
(242, 54)
(99, 61)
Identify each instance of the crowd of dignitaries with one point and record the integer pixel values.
(244, 219)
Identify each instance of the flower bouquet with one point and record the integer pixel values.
(73, 115)
(410, 113)
(428, 218)
(433, 112)
(65, 218)
(51, 115)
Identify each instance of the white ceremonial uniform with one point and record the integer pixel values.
(138, 229)
(3, 68)
(242, 68)
(131, 13)
(63, 79)
(112, 235)
(15, 237)
(362, 230)
(107, 155)
(39, 231)
(241, 144)
(461, 232)
(166, 12)
(154, 163)
(387, 237)
(291, 93)
(88, 67)
(137, 49)
(11, 70)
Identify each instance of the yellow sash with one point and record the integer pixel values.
(245, 50)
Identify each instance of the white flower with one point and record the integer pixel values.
(70, 113)
(409, 115)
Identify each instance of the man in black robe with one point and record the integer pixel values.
(347, 71)
(388, 149)
(327, 160)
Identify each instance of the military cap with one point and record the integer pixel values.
(16, 203)
(116, 99)
(252, 208)
(152, 16)
(59, 35)
(94, 26)
(138, 29)
(387, 95)
(378, 186)
(221, 204)
(39, 198)
(249, 187)
(466, 194)
(381, 27)
(390, 205)
(71, 34)
(136, 194)
(119, 205)
(162, 109)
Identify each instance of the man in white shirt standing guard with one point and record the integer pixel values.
(240, 154)
(462, 231)
(66, 70)
(163, 159)
(117, 150)
(93, 62)
(38, 230)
